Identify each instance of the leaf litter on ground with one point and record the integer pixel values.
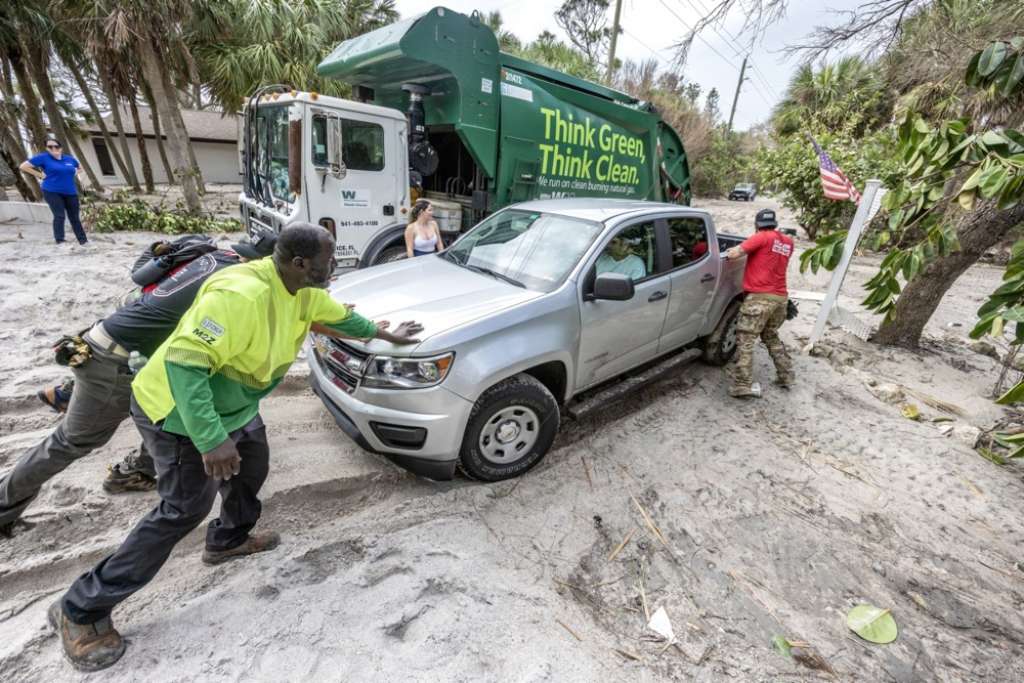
(873, 624)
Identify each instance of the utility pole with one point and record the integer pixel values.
(736, 97)
(615, 37)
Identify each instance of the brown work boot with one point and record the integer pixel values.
(256, 543)
(129, 475)
(784, 382)
(752, 391)
(89, 647)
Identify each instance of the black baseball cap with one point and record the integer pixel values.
(765, 219)
(259, 244)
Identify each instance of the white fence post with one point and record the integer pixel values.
(869, 204)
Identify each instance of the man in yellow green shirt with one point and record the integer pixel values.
(196, 403)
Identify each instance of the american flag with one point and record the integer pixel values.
(833, 180)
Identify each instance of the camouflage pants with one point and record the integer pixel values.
(761, 315)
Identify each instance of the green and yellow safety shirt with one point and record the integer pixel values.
(231, 348)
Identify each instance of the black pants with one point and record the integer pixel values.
(187, 494)
(61, 204)
(99, 404)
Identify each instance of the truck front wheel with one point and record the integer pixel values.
(720, 345)
(390, 254)
(510, 429)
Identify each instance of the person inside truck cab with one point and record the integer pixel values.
(422, 236)
(618, 257)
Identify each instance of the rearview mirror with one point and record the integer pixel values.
(334, 160)
(614, 287)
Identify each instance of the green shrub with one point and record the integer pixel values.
(136, 215)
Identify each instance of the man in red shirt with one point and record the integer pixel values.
(764, 308)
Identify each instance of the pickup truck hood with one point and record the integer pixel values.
(433, 292)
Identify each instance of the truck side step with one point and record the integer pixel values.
(655, 373)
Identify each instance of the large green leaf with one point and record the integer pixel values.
(1014, 395)
(873, 624)
(991, 58)
(1015, 77)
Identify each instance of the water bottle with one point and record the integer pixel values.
(136, 361)
(153, 271)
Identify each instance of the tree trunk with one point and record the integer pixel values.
(37, 64)
(154, 116)
(179, 123)
(147, 170)
(104, 131)
(978, 231)
(33, 119)
(29, 192)
(115, 110)
(154, 71)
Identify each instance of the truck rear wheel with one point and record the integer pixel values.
(720, 345)
(510, 429)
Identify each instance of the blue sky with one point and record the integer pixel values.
(652, 26)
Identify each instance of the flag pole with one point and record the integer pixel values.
(865, 210)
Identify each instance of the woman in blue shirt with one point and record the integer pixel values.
(58, 172)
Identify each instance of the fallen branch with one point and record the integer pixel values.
(621, 545)
(625, 654)
(650, 524)
(571, 632)
(586, 471)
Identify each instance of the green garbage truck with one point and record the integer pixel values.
(438, 111)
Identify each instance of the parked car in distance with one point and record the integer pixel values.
(535, 305)
(743, 192)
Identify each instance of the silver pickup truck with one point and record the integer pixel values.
(539, 304)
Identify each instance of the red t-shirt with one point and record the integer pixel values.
(768, 255)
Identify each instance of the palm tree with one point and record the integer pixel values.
(848, 95)
(240, 45)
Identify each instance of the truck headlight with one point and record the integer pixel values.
(407, 373)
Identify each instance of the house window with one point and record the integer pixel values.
(99, 145)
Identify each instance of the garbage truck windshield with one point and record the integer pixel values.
(267, 171)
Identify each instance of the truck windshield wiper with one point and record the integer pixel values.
(500, 276)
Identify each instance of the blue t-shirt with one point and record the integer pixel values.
(60, 173)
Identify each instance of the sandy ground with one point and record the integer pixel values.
(777, 515)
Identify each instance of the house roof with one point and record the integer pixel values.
(211, 126)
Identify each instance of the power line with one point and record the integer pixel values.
(650, 49)
(698, 36)
(733, 44)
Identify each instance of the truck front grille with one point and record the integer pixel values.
(343, 363)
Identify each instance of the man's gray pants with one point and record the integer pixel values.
(187, 495)
(99, 404)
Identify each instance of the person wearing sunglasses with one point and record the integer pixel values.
(58, 171)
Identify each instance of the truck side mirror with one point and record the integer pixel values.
(334, 146)
(614, 287)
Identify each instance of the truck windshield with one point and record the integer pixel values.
(268, 143)
(528, 248)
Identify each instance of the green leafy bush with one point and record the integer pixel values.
(136, 215)
(791, 168)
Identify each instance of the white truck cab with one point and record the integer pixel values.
(332, 162)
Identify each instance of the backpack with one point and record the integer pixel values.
(160, 258)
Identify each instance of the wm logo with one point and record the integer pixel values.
(348, 194)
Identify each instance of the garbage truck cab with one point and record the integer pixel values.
(437, 111)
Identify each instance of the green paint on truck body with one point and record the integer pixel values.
(533, 132)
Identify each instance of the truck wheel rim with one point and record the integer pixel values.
(729, 339)
(509, 434)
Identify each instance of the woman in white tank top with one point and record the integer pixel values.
(422, 236)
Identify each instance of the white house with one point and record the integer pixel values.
(214, 138)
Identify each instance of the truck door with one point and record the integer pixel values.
(695, 266)
(619, 335)
(359, 194)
